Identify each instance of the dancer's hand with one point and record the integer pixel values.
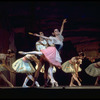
(30, 33)
(21, 52)
(13, 72)
(65, 20)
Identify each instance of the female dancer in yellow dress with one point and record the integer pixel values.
(94, 71)
(73, 66)
(23, 65)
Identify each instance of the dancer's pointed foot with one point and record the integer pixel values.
(12, 86)
(96, 84)
(37, 84)
(54, 83)
(25, 86)
(79, 84)
(72, 85)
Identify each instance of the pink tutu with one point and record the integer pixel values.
(52, 55)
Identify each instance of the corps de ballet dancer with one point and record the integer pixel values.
(94, 70)
(73, 66)
(23, 65)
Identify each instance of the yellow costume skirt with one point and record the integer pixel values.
(69, 68)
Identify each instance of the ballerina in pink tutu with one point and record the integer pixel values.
(50, 55)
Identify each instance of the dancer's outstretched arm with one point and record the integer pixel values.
(45, 37)
(31, 52)
(35, 34)
(62, 26)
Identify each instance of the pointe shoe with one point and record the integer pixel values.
(11, 86)
(79, 84)
(96, 84)
(54, 83)
(37, 84)
(72, 85)
(25, 86)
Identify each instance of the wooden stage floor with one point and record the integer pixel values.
(61, 92)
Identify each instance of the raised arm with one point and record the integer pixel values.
(62, 26)
(35, 34)
(31, 52)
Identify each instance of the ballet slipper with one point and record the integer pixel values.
(25, 86)
(96, 84)
(72, 85)
(12, 86)
(79, 84)
(54, 83)
(37, 84)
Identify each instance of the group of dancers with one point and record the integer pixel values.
(48, 50)
(47, 59)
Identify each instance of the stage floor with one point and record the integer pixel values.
(59, 87)
(61, 92)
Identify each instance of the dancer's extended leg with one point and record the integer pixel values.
(5, 79)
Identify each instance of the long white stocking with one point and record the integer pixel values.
(50, 73)
(36, 82)
(30, 77)
(25, 82)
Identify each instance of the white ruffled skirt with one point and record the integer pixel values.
(21, 66)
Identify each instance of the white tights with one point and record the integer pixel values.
(27, 79)
(50, 75)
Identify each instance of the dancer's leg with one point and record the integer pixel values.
(40, 64)
(46, 72)
(25, 82)
(36, 82)
(96, 82)
(50, 72)
(37, 71)
(72, 81)
(5, 79)
(50, 75)
(30, 77)
(75, 78)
